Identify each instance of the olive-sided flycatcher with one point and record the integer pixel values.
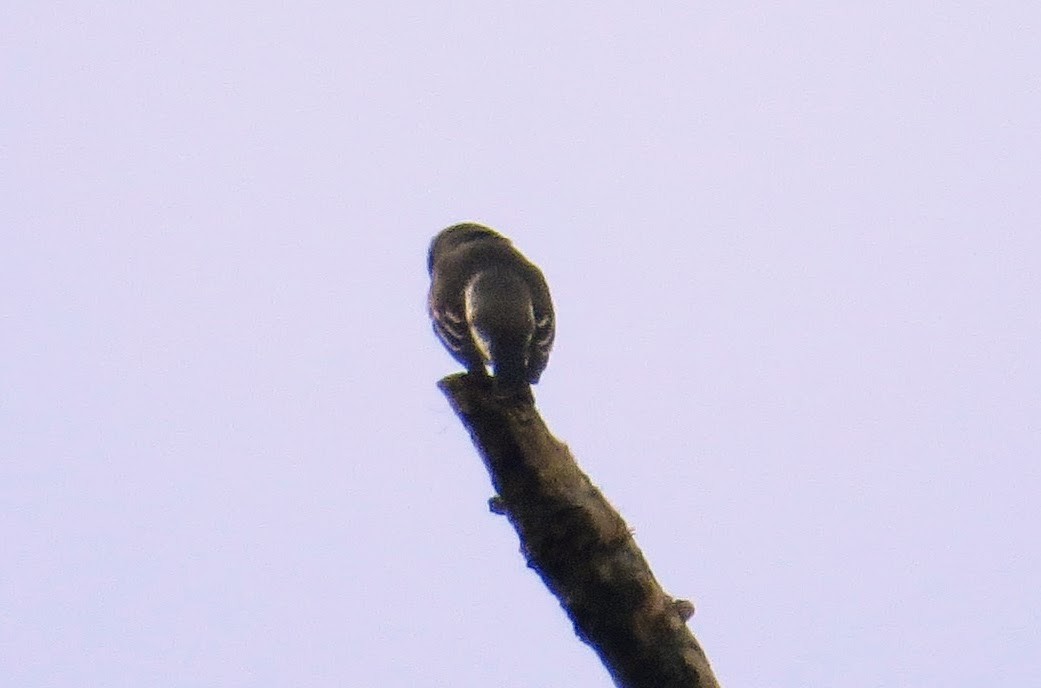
(490, 305)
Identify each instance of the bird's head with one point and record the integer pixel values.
(453, 237)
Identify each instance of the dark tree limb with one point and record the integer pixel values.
(578, 544)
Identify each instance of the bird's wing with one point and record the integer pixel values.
(450, 325)
(545, 324)
(448, 317)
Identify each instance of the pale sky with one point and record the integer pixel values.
(795, 252)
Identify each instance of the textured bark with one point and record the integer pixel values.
(578, 544)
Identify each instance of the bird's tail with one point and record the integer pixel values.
(510, 364)
(499, 310)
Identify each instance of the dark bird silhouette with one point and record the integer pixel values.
(489, 305)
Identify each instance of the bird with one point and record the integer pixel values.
(490, 306)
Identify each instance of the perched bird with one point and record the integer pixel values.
(490, 305)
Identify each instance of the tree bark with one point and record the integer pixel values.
(578, 544)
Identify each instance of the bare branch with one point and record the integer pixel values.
(578, 544)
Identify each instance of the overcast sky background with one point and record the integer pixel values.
(795, 254)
